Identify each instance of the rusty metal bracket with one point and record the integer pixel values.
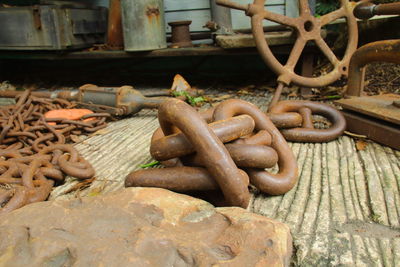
(380, 51)
(377, 117)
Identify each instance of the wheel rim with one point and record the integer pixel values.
(308, 28)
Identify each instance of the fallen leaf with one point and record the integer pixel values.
(361, 145)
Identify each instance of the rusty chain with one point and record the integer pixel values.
(34, 155)
(204, 151)
(295, 121)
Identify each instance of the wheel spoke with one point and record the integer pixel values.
(328, 18)
(295, 53)
(327, 51)
(304, 7)
(278, 18)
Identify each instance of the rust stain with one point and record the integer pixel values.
(153, 13)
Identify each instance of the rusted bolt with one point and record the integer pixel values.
(153, 11)
(181, 33)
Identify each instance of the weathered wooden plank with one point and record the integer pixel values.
(247, 40)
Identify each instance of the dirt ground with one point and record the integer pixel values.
(382, 78)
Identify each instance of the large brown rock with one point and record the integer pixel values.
(140, 227)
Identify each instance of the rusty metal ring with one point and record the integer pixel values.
(81, 169)
(74, 156)
(308, 28)
(273, 184)
(244, 156)
(180, 179)
(307, 133)
(215, 156)
(177, 144)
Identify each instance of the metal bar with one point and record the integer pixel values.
(222, 17)
(366, 9)
(230, 4)
(387, 9)
(115, 37)
(307, 68)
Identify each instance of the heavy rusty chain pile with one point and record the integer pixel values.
(33, 151)
(231, 146)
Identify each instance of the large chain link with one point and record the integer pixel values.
(294, 119)
(197, 160)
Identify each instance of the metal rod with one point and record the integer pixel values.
(114, 34)
(227, 3)
(366, 9)
(277, 96)
(222, 17)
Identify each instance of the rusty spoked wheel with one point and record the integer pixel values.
(308, 28)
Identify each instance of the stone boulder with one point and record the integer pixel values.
(140, 227)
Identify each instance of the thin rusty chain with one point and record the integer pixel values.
(197, 161)
(34, 154)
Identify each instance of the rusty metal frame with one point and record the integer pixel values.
(380, 51)
(378, 130)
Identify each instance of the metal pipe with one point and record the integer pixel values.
(222, 17)
(114, 33)
(381, 51)
(366, 9)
